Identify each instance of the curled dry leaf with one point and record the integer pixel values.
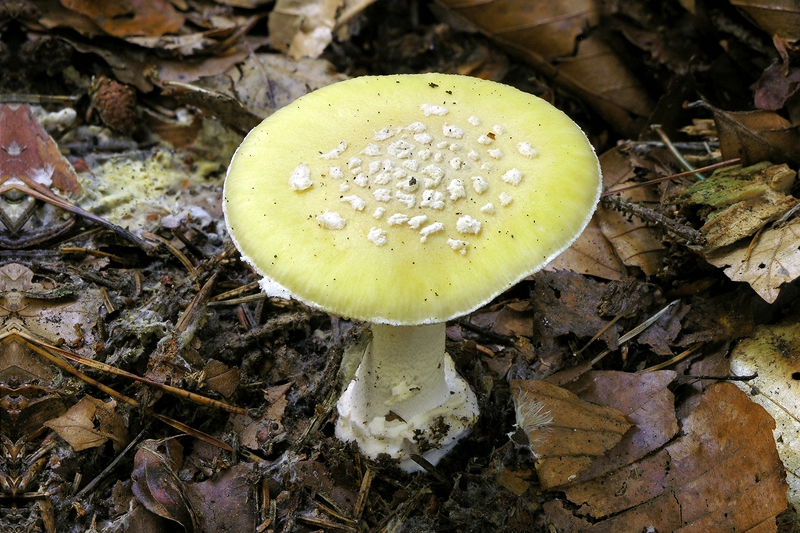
(226, 501)
(771, 356)
(126, 19)
(566, 434)
(303, 28)
(546, 34)
(157, 486)
(635, 242)
(90, 423)
(772, 260)
(722, 474)
(756, 136)
(780, 18)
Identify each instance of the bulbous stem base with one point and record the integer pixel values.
(406, 397)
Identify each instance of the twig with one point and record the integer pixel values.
(636, 331)
(672, 177)
(675, 152)
(648, 215)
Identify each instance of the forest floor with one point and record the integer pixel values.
(645, 381)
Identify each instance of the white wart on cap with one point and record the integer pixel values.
(409, 199)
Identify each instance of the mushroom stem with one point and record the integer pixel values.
(413, 356)
(406, 396)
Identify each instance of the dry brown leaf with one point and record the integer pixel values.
(303, 28)
(635, 242)
(221, 378)
(771, 262)
(90, 423)
(157, 486)
(771, 356)
(722, 474)
(756, 136)
(226, 502)
(546, 35)
(566, 434)
(126, 19)
(780, 17)
(592, 254)
(254, 433)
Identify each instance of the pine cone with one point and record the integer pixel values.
(114, 102)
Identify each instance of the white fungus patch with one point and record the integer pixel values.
(383, 134)
(372, 150)
(526, 149)
(427, 168)
(336, 152)
(356, 202)
(452, 131)
(458, 245)
(377, 236)
(417, 221)
(456, 189)
(397, 219)
(513, 176)
(408, 200)
(300, 178)
(467, 224)
(480, 184)
(331, 220)
(430, 229)
(382, 195)
(431, 109)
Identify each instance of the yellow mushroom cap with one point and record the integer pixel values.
(409, 199)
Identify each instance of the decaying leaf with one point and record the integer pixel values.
(739, 201)
(774, 259)
(157, 486)
(780, 18)
(303, 28)
(635, 242)
(124, 19)
(268, 428)
(546, 35)
(90, 423)
(565, 433)
(592, 254)
(226, 502)
(756, 136)
(722, 474)
(772, 356)
(221, 378)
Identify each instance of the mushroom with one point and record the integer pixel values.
(407, 201)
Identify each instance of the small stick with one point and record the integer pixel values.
(363, 492)
(672, 176)
(174, 251)
(648, 215)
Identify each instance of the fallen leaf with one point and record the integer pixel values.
(780, 18)
(772, 357)
(756, 136)
(546, 35)
(125, 19)
(221, 378)
(739, 201)
(635, 242)
(226, 502)
(90, 423)
(566, 434)
(771, 262)
(722, 474)
(157, 486)
(303, 28)
(592, 255)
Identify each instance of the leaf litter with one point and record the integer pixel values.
(125, 261)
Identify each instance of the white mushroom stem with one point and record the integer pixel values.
(406, 396)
